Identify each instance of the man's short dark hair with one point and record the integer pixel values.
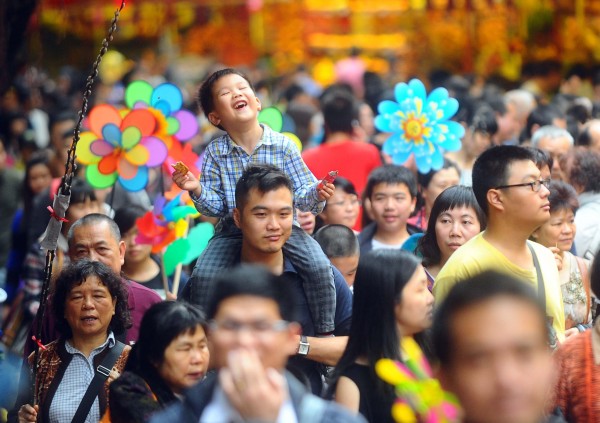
(491, 169)
(252, 280)
(205, 94)
(95, 219)
(263, 177)
(337, 241)
(390, 174)
(340, 111)
(542, 115)
(473, 291)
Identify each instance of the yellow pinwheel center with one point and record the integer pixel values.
(414, 128)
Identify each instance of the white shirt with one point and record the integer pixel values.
(219, 410)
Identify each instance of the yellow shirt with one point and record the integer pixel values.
(478, 255)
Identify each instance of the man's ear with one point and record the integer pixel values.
(413, 204)
(258, 103)
(535, 234)
(236, 217)
(214, 118)
(122, 252)
(495, 199)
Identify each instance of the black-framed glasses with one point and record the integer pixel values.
(535, 185)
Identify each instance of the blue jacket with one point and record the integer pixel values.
(309, 408)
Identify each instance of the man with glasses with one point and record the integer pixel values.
(509, 189)
(253, 330)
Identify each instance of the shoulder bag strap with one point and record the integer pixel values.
(100, 376)
(540, 277)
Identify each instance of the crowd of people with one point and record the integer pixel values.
(486, 265)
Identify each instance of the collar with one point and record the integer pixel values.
(110, 341)
(288, 267)
(267, 139)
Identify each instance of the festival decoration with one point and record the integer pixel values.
(419, 125)
(420, 398)
(166, 98)
(122, 145)
(164, 224)
(273, 118)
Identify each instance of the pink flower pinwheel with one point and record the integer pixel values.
(122, 145)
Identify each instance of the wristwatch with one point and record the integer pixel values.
(304, 346)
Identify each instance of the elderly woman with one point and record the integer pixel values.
(170, 355)
(89, 303)
(558, 234)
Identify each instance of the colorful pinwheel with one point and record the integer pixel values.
(272, 117)
(164, 224)
(122, 145)
(166, 98)
(420, 125)
(420, 398)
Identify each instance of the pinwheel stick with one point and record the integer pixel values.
(63, 195)
(177, 275)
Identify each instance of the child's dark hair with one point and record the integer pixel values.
(205, 94)
(337, 241)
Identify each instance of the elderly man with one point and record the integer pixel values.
(555, 141)
(253, 330)
(97, 237)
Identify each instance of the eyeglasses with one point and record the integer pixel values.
(535, 185)
(256, 328)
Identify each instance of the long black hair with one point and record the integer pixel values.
(380, 278)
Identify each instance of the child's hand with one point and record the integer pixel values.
(326, 191)
(187, 181)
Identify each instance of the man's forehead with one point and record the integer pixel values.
(93, 233)
(498, 323)
(248, 307)
(522, 168)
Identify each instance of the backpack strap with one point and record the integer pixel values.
(540, 277)
(100, 375)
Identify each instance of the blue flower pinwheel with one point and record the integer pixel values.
(419, 124)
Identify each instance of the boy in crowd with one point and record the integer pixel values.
(230, 103)
(389, 198)
(340, 245)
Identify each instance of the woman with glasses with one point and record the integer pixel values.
(342, 208)
(558, 234)
(431, 185)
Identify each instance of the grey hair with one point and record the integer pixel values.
(550, 132)
(523, 100)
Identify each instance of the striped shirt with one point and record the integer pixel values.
(77, 378)
(225, 161)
